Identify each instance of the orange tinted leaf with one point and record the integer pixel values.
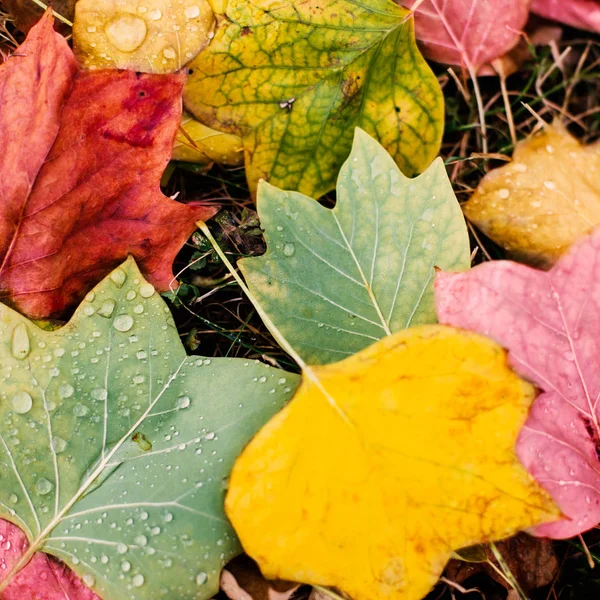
(80, 168)
(544, 200)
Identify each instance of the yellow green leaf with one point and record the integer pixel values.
(200, 144)
(294, 80)
(384, 463)
(152, 37)
(544, 200)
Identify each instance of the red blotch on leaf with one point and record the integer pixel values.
(81, 161)
(550, 323)
(43, 578)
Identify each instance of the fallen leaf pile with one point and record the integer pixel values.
(439, 408)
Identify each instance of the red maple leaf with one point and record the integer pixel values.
(80, 166)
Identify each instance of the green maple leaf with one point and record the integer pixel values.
(294, 79)
(115, 447)
(335, 281)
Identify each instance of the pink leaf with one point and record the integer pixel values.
(469, 33)
(43, 578)
(550, 323)
(584, 14)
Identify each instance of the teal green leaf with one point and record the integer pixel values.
(293, 79)
(334, 281)
(115, 447)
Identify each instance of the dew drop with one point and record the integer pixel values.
(289, 249)
(201, 578)
(504, 193)
(126, 33)
(191, 12)
(99, 394)
(107, 309)
(20, 342)
(141, 540)
(58, 444)
(169, 53)
(89, 579)
(13, 498)
(22, 402)
(121, 548)
(138, 309)
(168, 517)
(43, 486)
(80, 410)
(118, 276)
(155, 15)
(131, 295)
(66, 390)
(146, 290)
(125, 566)
(123, 323)
(183, 402)
(138, 580)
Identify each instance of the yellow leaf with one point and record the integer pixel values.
(385, 463)
(544, 200)
(293, 80)
(153, 37)
(200, 144)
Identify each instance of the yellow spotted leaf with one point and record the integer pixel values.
(384, 463)
(157, 36)
(200, 144)
(544, 200)
(294, 79)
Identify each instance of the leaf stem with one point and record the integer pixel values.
(259, 309)
(57, 15)
(307, 370)
(506, 572)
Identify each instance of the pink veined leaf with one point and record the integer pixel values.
(550, 323)
(468, 33)
(584, 14)
(43, 578)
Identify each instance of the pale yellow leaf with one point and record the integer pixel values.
(157, 36)
(544, 200)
